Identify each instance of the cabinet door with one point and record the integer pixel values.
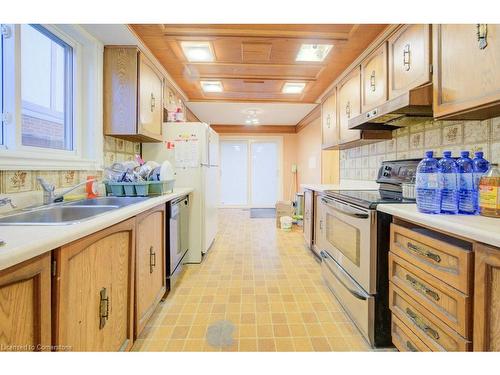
(349, 105)
(374, 79)
(25, 320)
(318, 223)
(150, 99)
(308, 217)
(150, 276)
(329, 128)
(487, 299)
(409, 59)
(467, 73)
(94, 291)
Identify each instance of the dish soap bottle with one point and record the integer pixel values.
(427, 189)
(447, 169)
(466, 202)
(489, 192)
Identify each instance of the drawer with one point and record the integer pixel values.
(404, 339)
(435, 255)
(429, 328)
(448, 304)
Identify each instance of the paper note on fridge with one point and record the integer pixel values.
(187, 152)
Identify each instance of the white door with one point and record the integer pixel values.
(234, 173)
(265, 174)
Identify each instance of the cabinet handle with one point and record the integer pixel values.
(372, 81)
(103, 308)
(411, 347)
(348, 109)
(482, 35)
(328, 121)
(406, 57)
(420, 324)
(153, 102)
(152, 259)
(418, 286)
(418, 250)
(320, 224)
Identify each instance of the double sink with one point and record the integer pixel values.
(68, 212)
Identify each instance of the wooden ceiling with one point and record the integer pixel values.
(254, 61)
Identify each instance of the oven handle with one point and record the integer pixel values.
(355, 293)
(343, 209)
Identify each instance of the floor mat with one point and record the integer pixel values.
(262, 213)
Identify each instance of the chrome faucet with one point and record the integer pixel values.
(5, 201)
(49, 195)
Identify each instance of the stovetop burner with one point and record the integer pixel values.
(368, 198)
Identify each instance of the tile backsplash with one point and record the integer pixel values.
(23, 181)
(362, 163)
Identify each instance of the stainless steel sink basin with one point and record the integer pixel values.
(108, 201)
(68, 213)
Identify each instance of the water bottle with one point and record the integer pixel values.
(426, 184)
(467, 204)
(479, 166)
(447, 179)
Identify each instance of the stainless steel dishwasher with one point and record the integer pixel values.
(178, 237)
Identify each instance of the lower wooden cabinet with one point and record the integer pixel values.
(25, 306)
(308, 217)
(94, 291)
(487, 298)
(150, 276)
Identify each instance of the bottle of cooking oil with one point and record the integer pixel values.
(489, 192)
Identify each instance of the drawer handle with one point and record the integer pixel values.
(482, 35)
(411, 347)
(416, 249)
(103, 308)
(372, 81)
(420, 324)
(152, 259)
(417, 285)
(406, 57)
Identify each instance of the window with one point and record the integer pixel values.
(46, 89)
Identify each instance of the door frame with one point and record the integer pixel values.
(249, 140)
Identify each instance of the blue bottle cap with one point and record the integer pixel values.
(447, 154)
(479, 154)
(464, 154)
(429, 154)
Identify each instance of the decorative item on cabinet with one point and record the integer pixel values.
(466, 76)
(133, 95)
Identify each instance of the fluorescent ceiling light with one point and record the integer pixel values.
(293, 87)
(211, 86)
(313, 52)
(197, 51)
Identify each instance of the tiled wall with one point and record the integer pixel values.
(25, 181)
(362, 163)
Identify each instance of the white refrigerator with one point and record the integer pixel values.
(193, 150)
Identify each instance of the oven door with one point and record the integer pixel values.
(349, 236)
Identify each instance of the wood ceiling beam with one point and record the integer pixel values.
(239, 129)
(207, 32)
(255, 78)
(249, 100)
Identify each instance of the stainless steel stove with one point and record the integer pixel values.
(353, 244)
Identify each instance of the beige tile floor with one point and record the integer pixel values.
(262, 280)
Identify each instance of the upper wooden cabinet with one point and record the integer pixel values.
(374, 79)
(329, 125)
(25, 306)
(466, 71)
(133, 95)
(487, 299)
(409, 59)
(150, 276)
(349, 105)
(94, 291)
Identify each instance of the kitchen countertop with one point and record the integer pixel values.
(343, 185)
(477, 228)
(24, 242)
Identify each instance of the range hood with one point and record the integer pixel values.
(407, 109)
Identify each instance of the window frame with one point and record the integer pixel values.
(87, 153)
